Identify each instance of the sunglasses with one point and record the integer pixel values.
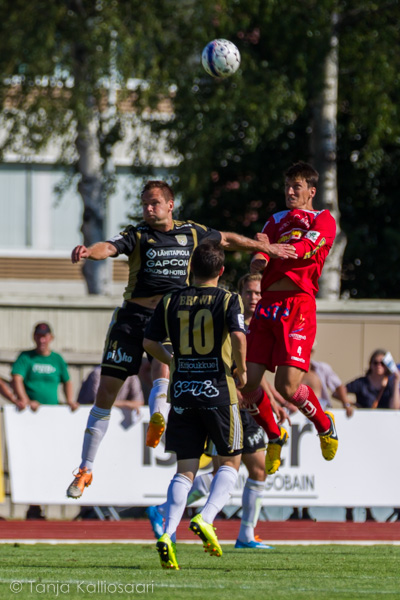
(377, 362)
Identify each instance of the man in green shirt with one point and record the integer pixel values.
(37, 373)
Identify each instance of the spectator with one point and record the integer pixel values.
(36, 375)
(7, 392)
(324, 381)
(378, 388)
(129, 398)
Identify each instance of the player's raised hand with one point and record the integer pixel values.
(79, 252)
(258, 264)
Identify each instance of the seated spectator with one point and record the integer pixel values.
(129, 397)
(324, 381)
(379, 387)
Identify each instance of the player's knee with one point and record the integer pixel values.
(257, 472)
(285, 388)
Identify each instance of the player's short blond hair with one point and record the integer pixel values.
(246, 279)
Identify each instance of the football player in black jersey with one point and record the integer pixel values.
(253, 455)
(205, 324)
(159, 250)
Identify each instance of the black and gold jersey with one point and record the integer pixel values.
(159, 260)
(198, 320)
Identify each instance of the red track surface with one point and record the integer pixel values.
(139, 529)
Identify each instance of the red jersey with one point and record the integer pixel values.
(312, 233)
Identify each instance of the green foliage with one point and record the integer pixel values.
(235, 136)
(286, 573)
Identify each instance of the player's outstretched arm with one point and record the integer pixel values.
(239, 356)
(157, 350)
(234, 241)
(98, 251)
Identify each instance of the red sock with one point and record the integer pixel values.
(260, 409)
(308, 404)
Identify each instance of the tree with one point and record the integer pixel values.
(61, 68)
(319, 82)
(300, 94)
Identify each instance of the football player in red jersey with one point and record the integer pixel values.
(283, 328)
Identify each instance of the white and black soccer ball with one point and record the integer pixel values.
(220, 58)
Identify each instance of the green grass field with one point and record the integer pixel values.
(130, 571)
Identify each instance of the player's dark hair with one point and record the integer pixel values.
(304, 171)
(246, 279)
(207, 260)
(161, 185)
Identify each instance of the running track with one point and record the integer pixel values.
(139, 530)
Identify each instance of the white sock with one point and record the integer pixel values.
(158, 397)
(96, 428)
(251, 503)
(221, 487)
(200, 488)
(176, 503)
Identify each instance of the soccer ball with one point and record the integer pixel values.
(220, 58)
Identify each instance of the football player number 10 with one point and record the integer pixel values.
(202, 329)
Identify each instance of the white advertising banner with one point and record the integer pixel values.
(44, 447)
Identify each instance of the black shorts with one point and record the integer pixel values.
(189, 428)
(123, 349)
(253, 437)
(253, 434)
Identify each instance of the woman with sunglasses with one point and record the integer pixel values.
(379, 388)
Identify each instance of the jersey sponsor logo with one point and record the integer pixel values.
(181, 239)
(196, 388)
(168, 252)
(185, 365)
(294, 234)
(173, 262)
(302, 322)
(252, 440)
(43, 369)
(297, 359)
(297, 336)
(118, 356)
(274, 312)
(151, 253)
(167, 272)
(312, 235)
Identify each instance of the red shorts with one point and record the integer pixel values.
(282, 330)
